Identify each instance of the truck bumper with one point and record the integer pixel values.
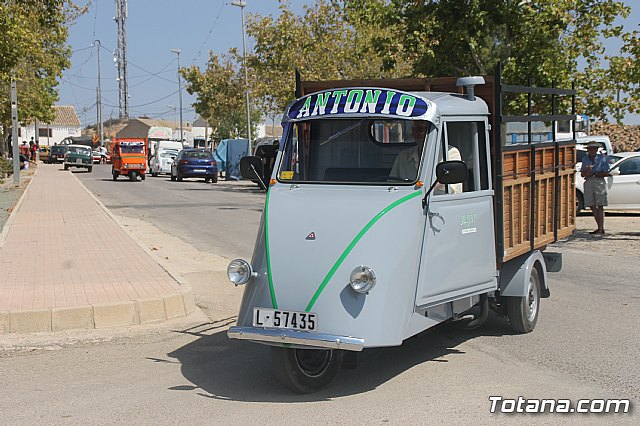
(294, 337)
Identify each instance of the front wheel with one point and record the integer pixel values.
(142, 176)
(66, 167)
(523, 311)
(89, 169)
(133, 176)
(305, 370)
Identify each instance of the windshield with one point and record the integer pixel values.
(371, 151)
(132, 149)
(79, 150)
(169, 153)
(198, 154)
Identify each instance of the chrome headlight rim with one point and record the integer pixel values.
(362, 279)
(239, 271)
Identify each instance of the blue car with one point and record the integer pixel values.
(198, 163)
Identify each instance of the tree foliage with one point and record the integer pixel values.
(221, 95)
(542, 41)
(33, 35)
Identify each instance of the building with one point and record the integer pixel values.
(66, 123)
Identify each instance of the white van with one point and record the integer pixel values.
(165, 153)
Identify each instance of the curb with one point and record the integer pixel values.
(99, 316)
(11, 218)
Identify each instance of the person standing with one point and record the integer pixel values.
(594, 169)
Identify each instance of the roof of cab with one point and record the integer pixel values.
(455, 103)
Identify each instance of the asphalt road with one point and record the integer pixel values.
(218, 217)
(586, 344)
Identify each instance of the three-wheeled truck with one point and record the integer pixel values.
(129, 158)
(394, 206)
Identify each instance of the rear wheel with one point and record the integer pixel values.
(523, 311)
(305, 370)
(579, 202)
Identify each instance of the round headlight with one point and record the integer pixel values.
(362, 279)
(239, 271)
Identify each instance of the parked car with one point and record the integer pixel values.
(56, 153)
(623, 187)
(43, 152)
(78, 156)
(96, 157)
(164, 155)
(194, 163)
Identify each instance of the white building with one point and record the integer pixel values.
(66, 123)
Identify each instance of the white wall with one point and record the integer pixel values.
(57, 134)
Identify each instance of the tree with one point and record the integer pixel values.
(322, 44)
(541, 40)
(220, 93)
(34, 53)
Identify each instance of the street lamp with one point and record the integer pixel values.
(241, 4)
(100, 125)
(178, 52)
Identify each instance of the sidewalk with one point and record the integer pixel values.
(66, 264)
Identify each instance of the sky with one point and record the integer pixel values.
(154, 28)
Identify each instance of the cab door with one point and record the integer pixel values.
(458, 255)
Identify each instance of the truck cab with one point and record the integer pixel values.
(129, 158)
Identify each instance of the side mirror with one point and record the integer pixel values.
(451, 172)
(615, 172)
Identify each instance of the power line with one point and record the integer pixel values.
(215, 21)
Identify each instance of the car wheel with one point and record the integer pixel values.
(132, 176)
(178, 177)
(523, 311)
(142, 176)
(305, 370)
(579, 202)
(214, 179)
(89, 169)
(66, 167)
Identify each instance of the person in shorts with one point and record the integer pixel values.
(594, 169)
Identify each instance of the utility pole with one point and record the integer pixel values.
(14, 134)
(100, 123)
(122, 12)
(177, 52)
(241, 4)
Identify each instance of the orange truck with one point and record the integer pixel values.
(129, 158)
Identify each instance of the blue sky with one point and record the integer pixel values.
(154, 27)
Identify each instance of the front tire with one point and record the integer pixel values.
(305, 370)
(66, 167)
(178, 177)
(523, 311)
(133, 176)
(89, 169)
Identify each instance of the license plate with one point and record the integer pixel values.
(79, 160)
(275, 318)
(199, 170)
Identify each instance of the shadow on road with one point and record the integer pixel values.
(223, 368)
